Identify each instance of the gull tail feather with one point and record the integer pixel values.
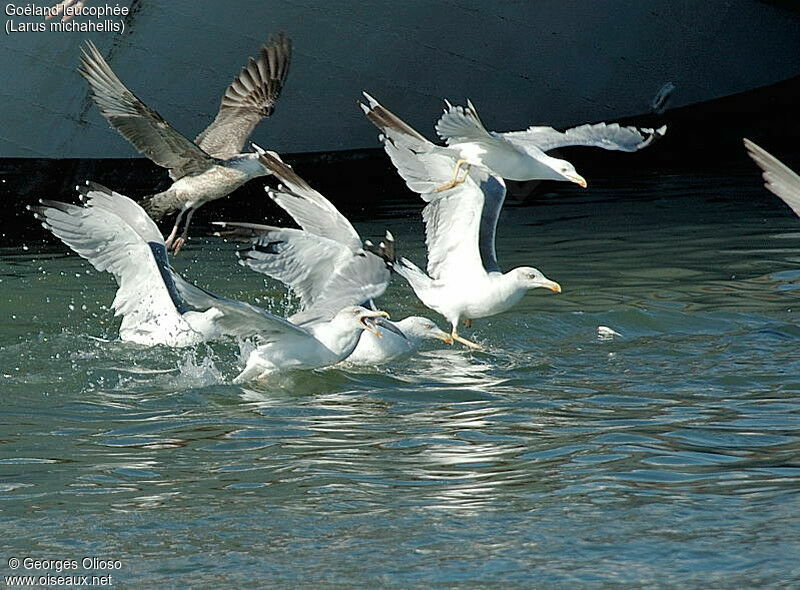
(415, 276)
(386, 249)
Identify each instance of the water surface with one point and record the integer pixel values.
(666, 456)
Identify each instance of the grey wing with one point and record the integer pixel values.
(363, 278)
(494, 194)
(302, 261)
(609, 136)
(237, 318)
(144, 128)
(310, 210)
(778, 178)
(249, 98)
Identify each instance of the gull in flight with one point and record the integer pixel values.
(520, 155)
(212, 166)
(464, 280)
(157, 306)
(778, 178)
(326, 265)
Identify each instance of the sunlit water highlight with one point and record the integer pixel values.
(668, 455)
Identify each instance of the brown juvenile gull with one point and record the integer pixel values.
(212, 166)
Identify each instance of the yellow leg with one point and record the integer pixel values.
(456, 180)
(464, 341)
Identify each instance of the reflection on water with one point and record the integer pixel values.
(668, 455)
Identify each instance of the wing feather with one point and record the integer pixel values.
(238, 318)
(250, 98)
(609, 136)
(452, 217)
(310, 210)
(778, 178)
(111, 244)
(143, 127)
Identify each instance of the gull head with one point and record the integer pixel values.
(562, 170)
(531, 278)
(361, 318)
(419, 328)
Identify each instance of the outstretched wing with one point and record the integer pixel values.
(363, 278)
(300, 260)
(238, 318)
(453, 216)
(250, 97)
(609, 136)
(144, 128)
(494, 195)
(778, 178)
(312, 212)
(129, 246)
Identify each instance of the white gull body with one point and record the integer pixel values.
(115, 235)
(464, 280)
(520, 155)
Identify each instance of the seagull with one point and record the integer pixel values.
(212, 166)
(115, 234)
(327, 266)
(520, 155)
(464, 280)
(414, 330)
(778, 178)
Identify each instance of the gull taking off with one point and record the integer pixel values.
(520, 155)
(115, 234)
(212, 166)
(464, 280)
(326, 266)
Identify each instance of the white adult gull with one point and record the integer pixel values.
(520, 155)
(212, 166)
(115, 234)
(464, 280)
(778, 177)
(326, 265)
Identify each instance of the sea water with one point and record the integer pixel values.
(640, 429)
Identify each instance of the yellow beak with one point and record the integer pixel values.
(578, 179)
